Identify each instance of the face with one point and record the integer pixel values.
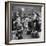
(34, 16)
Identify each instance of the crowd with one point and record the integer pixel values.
(30, 23)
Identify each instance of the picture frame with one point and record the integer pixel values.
(27, 9)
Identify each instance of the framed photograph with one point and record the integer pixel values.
(24, 22)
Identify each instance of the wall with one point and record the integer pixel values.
(2, 23)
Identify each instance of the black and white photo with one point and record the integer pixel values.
(26, 22)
